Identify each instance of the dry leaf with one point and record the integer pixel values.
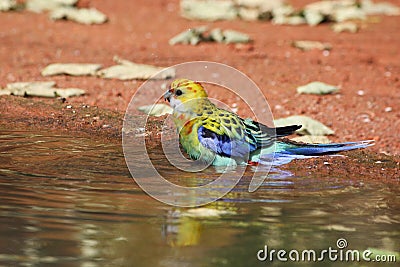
(74, 69)
(309, 45)
(81, 15)
(156, 109)
(317, 88)
(309, 126)
(6, 5)
(127, 70)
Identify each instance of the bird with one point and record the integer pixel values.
(221, 138)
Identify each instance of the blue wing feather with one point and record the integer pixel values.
(223, 145)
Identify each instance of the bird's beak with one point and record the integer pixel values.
(167, 95)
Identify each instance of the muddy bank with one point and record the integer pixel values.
(104, 125)
(365, 65)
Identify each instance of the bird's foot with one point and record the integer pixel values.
(252, 163)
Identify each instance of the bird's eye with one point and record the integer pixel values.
(178, 92)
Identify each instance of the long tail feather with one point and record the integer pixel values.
(320, 149)
(286, 150)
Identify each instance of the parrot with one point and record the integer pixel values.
(221, 138)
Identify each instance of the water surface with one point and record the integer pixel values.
(70, 201)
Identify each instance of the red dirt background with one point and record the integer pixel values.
(139, 31)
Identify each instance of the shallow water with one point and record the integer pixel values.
(69, 201)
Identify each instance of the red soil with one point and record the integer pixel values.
(139, 31)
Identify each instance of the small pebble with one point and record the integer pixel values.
(365, 118)
(360, 92)
(325, 53)
(106, 126)
(244, 47)
(378, 162)
(69, 106)
(388, 109)
(326, 163)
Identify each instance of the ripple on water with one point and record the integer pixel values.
(71, 201)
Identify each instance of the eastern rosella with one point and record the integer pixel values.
(222, 138)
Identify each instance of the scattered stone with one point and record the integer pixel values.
(293, 20)
(41, 89)
(6, 5)
(81, 15)
(249, 14)
(309, 125)
(196, 35)
(349, 13)
(312, 139)
(68, 92)
(328, 8)
(388, 109)
(231, 36)
(384, 8)
(345, 27)
(191, 36)
(156, 109)
(244, 47)
(209, 10)
(66, 9)
(317, 88)
(73, 69)
(4, 92)
(30, 85)
(261, 4)
(313, 17)
(39, 6)
(282, 11)
(127, 70)
(309, 45)
(360, 92)
(217, 35)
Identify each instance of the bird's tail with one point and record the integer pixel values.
(286, 150)
(294, 148)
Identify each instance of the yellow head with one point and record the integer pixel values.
(183, 90)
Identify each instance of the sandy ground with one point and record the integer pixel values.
(139, 31)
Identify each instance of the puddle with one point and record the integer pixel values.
(70, 201)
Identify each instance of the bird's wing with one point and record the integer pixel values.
(264, 136)
(224, 135)
(228, 135)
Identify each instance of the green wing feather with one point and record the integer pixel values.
(223, 122)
